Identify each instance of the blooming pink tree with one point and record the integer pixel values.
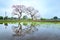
(18, 10)
(32, 12)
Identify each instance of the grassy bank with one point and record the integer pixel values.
(25, 21)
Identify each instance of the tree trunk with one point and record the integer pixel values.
(20, 15)
(19, 18)
(32, 17)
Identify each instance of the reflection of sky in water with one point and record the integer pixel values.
(30, 32)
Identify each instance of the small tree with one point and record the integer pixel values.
(1, 17)
(55, 17)
(25, 17)
(5, 17)
(43, 18)
(18, 10)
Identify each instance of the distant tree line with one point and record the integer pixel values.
(25, 17)
(12, 18)
(6, 17)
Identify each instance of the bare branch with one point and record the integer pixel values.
(32, 11)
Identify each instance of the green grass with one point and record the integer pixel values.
(27, 21)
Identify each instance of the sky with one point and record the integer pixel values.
(46, 8)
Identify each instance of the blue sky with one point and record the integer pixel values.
(46, 8)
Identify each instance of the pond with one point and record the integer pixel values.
(29, 31)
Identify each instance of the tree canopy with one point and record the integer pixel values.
(1, 17)
(55, 17)
(19, 9)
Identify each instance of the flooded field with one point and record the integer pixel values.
(29, 31)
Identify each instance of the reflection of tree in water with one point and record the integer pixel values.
(1, 23)
(32, 28)
(5, 25)
(19, 31)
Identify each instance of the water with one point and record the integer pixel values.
(21, 31)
